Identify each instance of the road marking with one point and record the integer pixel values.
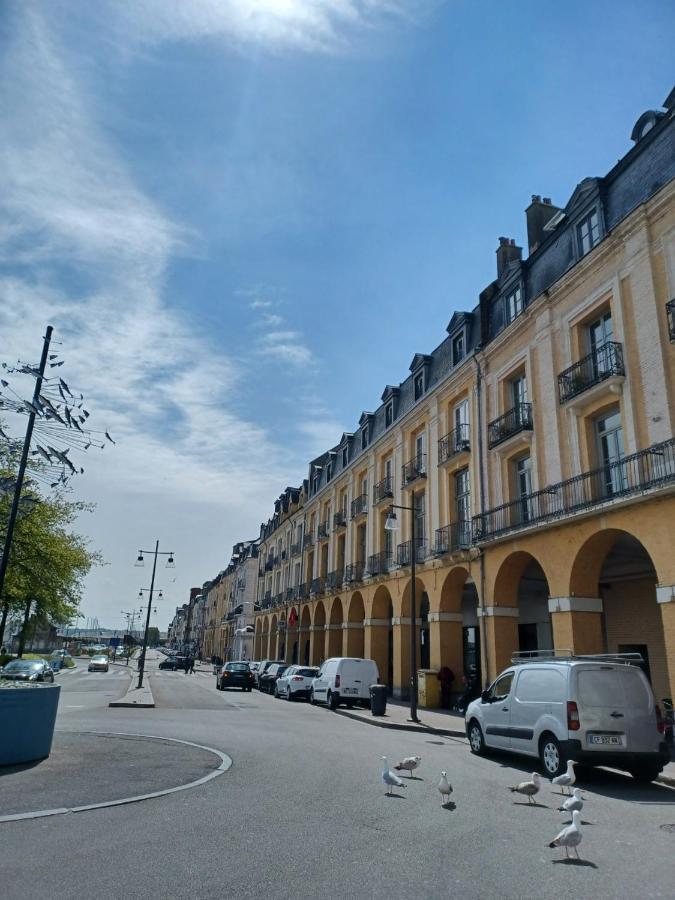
(75, 707)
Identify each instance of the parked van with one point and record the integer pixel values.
(344, 680)
(597, 710)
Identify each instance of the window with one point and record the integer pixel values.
(458, 348)
(419, 451)
(345, 457)
(501, 688)
(463, 504)
(388, 542)
(420, 517)
(419, 385)
(329, 471)
(387, 472)
(315, 482)
(519, 392)
(364, 485)
(513, 304)
(460, 418)
(588, 232)
(524, 488)
(364, 437)
(609, 436)
(388, 414)
(600, 333)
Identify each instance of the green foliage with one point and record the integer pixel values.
(153, 636)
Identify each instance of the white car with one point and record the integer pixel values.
(295, 682)
(344, 680)
(597, 710)
(98, 664)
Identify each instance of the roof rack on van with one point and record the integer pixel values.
(562, 656)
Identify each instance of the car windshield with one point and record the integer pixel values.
(22, 665)
(99, 659)
(237, 667)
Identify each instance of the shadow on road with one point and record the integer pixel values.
(574, 862)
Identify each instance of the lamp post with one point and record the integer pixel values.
(140, 562)
(391, 524)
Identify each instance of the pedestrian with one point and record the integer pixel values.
(190, 665)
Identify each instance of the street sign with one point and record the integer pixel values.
(114, 642)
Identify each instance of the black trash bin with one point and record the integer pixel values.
(378, 699)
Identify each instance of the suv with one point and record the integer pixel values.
(597, 710)
(295, 682)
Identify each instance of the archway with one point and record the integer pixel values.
(293, 639)
(402, 672)
(273, 638)
(265, 639)
(257, 643)
(354, 632)
(282, 639)
(379, 636)
(335, 629)
(304, 637)
(319, 634)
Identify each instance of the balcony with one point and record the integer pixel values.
(354, 573)
(340, 519)
(289, 595)
(334, 580)
(379, 563)
(404, 552)
(598, 366)
(267, 601)
(307, 541)
(415, 468)
(269, 562)
(648, 469)
(278, 599)
(453, 443)
(453, 538)
(512, 422)
(359, 506)
(383, 490)
(670, 313)
(323, 530)
(296, 549)
(318, 586)
(302, 591)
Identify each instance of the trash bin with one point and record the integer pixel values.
(428, 689)
(378, 699)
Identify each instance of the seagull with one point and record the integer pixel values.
(567, 778)
(528, 788)
(389, 778)
(572, 803)
(408, 764)
(570, 836)
(445, 788)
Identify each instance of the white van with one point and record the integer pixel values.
(597, 710)
(344, 680)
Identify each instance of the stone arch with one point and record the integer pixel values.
(282, 640)
(257, 640)
(318, 633)
(334, 642)
(379, 635)
(305, 641)
(450, 599)
(293, 636)
(354, 633)
(265, 642)
(273, 637)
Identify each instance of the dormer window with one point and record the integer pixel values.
(345, 457)
(388, 414)
(329, 471)
(458, 348)
(513, 304)
(588, 232)
(364, 437)
(419, 385)
(316, 481)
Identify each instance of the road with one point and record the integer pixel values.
(302, 813)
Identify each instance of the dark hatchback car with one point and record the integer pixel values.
(269, 679)
(235, 674)
(28, 670)
(173, 663)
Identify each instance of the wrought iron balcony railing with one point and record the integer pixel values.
(289, 594)
(268, 595)
(302, 591)
(452, 538)
(354, 572)
(383, 490)
(318, 586)
(334, 580)
(512, 422)
(307, 540)
(404, 552)
(296, 549)
(670, 313)
(454, 442)
(278, 599)
(415, 468)
(340, 519)
(602, 363)
(379, 563)
(647, 469)
(323, 530)
(359, 505)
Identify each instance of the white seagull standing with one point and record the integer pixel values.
(409, 764)
(567, 779)
(445, 788)
(572, 803)
(570, 836)
(389, 778)
(528, 788)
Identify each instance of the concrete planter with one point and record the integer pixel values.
(27, 715)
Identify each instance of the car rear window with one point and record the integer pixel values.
(308, 672)
(612, 687)
(237, 667)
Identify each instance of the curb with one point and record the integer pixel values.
(668, 780)
(136, 698)
(399, 726)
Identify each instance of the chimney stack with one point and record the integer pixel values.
(537, 214)
(507, 252)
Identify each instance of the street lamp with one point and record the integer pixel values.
(391, 524)
(139, 562)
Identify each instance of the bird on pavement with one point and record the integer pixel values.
(388, 777)
(567, 779)
(572, 803)
(408, 764)
(528, 788)
(570, 836)
(445, 788)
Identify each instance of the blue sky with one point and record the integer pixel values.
(244, 218)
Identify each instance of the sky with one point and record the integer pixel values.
(243, 219)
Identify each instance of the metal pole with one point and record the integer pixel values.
(413, 622)
(4, 560)
(141, 668)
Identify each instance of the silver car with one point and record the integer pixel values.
(98, 664)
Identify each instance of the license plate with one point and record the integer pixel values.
(612, 739)
(351, 691)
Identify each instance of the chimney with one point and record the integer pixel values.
(507, 252)
(538, 213)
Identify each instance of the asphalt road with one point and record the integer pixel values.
(302, 813)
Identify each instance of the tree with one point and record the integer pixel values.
(48, 561)
(153, 636)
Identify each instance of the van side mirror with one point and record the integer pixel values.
(485, 697)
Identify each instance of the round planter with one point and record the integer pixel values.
(28, 715)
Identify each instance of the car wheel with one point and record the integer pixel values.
(645, 774)
(551, 756)
(276, 692)
(333, 700)
(312, 699)
(476, 739)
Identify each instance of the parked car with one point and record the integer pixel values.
(295, 682)
(235, 674)
(98, 664)
(344, 680)
(263, 666)
(268, 680)
(595, 710)
(28, 670)
(173, 662)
